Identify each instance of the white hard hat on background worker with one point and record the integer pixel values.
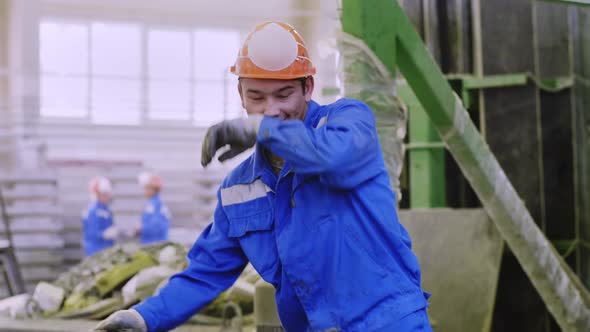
(155, 220)
(151, 180)
(99, 185)
(98, 230)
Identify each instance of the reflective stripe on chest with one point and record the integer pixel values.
(242, 193)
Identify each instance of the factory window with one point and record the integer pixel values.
(64, 67)
(116, 64)
(115, 73)
(169, 75)
(216, 95)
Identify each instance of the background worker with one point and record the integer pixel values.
(312, 209)
(155, 220)
(99, 231)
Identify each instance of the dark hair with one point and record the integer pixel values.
(303, 80)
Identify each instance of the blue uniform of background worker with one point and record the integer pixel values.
(312, 209)
(98, 229)
(155, 220)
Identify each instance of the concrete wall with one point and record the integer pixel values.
(6, 144)
(19, 88)
(24, 80)
(459, 253)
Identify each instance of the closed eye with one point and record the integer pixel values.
(284, 94)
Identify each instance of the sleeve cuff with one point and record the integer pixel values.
(265, 126)
(151, 321)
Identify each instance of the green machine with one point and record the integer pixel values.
(387, 31)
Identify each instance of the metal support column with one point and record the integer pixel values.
(426, 156)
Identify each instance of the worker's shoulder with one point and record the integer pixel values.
(155, 201)
(347, 104)
(103, 213)
(244, 173)
(343, 103)
(96, 211)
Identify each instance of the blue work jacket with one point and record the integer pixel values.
(155, 221)
(97, 218)
(324, 232)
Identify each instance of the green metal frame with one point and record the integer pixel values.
(386, 29)
(426, 161)
(427, 178)
(571, 2)
(426, 156)
(468, 83)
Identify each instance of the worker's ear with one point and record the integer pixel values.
(309, 84)
(241, 94)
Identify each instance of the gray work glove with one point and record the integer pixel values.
(122, 321)
(239, 134)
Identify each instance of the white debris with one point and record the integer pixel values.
(49, 297)
(145, 282)
(168, 256)
(16, 307)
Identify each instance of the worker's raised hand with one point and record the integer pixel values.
(122, 321)
(110, 233)
(239, 134)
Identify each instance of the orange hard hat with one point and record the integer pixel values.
(274, 50)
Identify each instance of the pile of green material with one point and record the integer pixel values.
(120, 277)
(105, 282)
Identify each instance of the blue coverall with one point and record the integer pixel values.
(96, 220)
(324, 232)
(155, 221)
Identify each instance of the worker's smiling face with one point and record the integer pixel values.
(285, 99)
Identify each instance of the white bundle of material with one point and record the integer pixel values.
(168, 256)
(16, 307)
(48, 297)
(145, 282)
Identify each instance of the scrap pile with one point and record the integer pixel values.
(120, 277)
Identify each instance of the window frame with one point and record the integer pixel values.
(144, 105)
